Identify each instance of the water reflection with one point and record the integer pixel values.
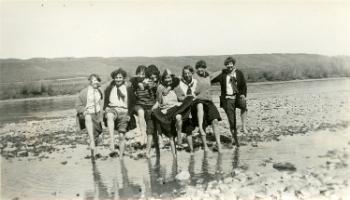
(159, 175)
(128, 189)
(100, 189)
(235, 160)
(158, 183)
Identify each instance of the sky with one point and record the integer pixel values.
(52, 28)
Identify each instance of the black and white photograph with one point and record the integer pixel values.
(174, 99)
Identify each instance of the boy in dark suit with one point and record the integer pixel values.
(233, 94)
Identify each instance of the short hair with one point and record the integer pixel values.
(189, 67)
(228, 60)
(96, 76)
(118, 71)
(152, 69)
(140, 69)
(201, 64)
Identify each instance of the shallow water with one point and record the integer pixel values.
(115, 178)
(20, 110)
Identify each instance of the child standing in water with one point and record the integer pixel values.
(145, 86)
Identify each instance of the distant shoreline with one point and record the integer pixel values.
(255, 83)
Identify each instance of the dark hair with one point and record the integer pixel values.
(141, 68)
(152, 69)
(118, 71)
(189, 67)
(228, 60)
(96, 76)
(165, 73)
(201, 64)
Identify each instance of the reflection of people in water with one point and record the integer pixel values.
(218, 168)
(235, 160)
(128, 189)
(100, 190)
(159, 184)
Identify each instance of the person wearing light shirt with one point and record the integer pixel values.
(233, 95)
(189, 87)
(89, 112)
(118, 105)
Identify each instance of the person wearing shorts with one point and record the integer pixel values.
(233, 95)
(117, 106)
(145, 85)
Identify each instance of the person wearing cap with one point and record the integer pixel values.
(233, 94)
(89, 110)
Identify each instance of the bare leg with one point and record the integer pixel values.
(149, 145)
(190, 143)
(156, 141)
(179, 129)
(172, 145)
(89, 127)
(244, 121)
(204, 140)
(200, 116)
(121, 144)
(142, 124)
(216, 133)
(110, 124)
(234, 135)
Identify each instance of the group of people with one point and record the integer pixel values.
(163, 104)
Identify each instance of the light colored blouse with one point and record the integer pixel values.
(92, 101)
(115, 101)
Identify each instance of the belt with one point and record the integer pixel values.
(230, 96)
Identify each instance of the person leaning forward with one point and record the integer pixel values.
(233, 94)
(89, 110)
(118, 106)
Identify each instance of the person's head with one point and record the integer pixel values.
(167, 77)
(141, 71)
(230, 63)
(153, 73)
(201, 67)
(187, 73)
(119, 76)
(94, 80)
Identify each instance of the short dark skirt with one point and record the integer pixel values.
(167, 121)
(210, 112)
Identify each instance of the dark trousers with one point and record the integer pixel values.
(230, 106)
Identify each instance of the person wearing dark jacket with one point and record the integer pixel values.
(233, 94)
(118, 106)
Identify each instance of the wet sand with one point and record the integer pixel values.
(317, 118)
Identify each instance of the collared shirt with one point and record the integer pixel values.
(229, 89)
(184, 87)
(92, 101)
(115, 101)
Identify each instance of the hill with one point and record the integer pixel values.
(257, 67)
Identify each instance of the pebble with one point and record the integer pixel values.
(284, 166)
(22, 154)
